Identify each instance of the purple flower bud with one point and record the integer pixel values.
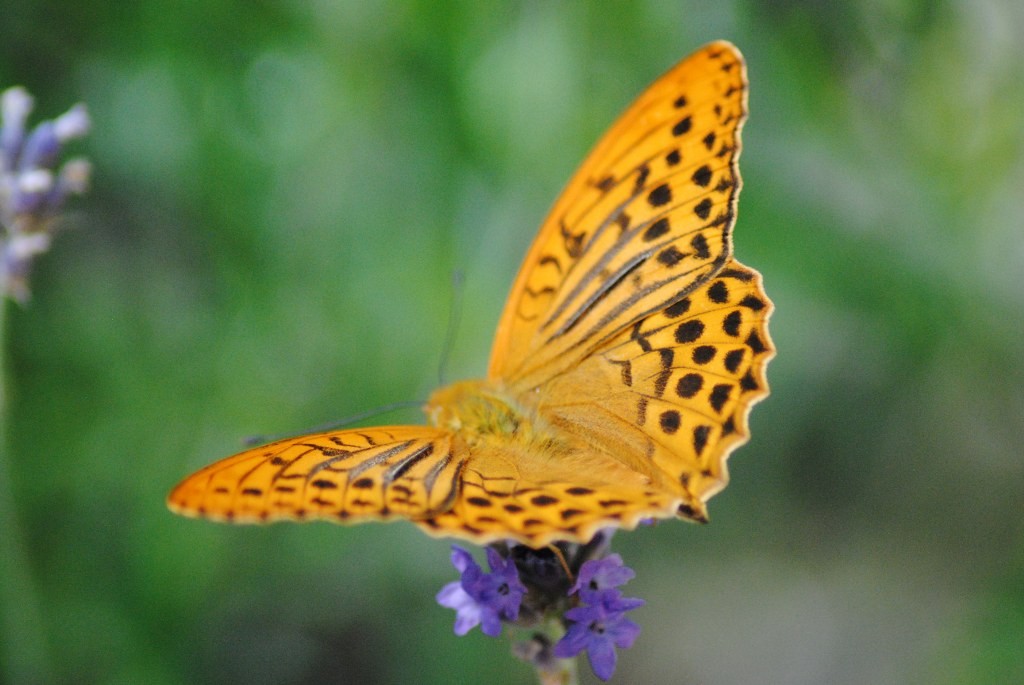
(30, 190)
(15, 106)
(41, 148)
(73, 179)
(74, 123)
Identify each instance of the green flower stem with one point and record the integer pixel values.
(565, 675)
(23, 650)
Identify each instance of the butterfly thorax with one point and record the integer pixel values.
(478, 408)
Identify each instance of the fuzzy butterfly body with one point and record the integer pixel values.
(626, 361)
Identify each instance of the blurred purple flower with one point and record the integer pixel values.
(479, 598)
(32, 188)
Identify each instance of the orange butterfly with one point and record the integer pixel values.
(626, 361)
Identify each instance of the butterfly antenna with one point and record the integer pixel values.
(254, 440)
(454, 316)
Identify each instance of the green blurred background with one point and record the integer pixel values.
(282, 193)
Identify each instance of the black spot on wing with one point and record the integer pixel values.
(703, 354)
(700, 246)
(660, 196)
(543, 500)
(689, 385)
(755, 343)
(738, 274)
(702, 176)
(683, 126)
(700, 438)
(731, 324)
(643, 171)
(689, 331)
(720, 395)
(733, 359)
(752, 303)
(703, 208)
(678, 309)
(718, 292)
(670, 421)
(729, 426)
(670, 256)
(656, 230)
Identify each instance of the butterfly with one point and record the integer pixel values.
(625, 363)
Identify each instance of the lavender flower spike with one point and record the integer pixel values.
(33, 189)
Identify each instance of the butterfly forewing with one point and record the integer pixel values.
(343, 476)
(645, 220)
(484, 493)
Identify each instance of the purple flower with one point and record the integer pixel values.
(598, 628)
(480, 598)
(601, 574)
(33, 185)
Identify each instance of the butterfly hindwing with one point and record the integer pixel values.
(537, 492)
(540, 512)
(680, 382)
